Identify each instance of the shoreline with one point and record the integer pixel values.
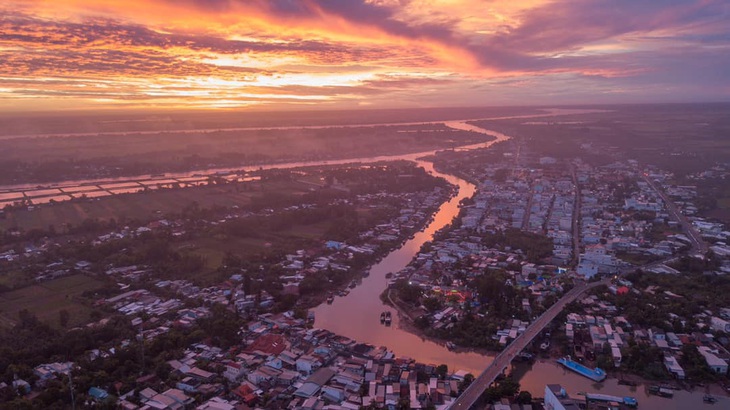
(406, 324)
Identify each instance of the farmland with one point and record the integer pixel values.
(47, 299)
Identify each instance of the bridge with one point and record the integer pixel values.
(471, 395)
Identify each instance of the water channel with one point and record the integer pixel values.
(357, 315)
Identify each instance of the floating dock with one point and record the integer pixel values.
(628, 400)
(597, 374)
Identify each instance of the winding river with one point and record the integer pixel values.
(358, 315)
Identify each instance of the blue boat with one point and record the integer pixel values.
(597, 374)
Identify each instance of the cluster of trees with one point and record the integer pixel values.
(697, 291)
(644, 360)
(535, 246)
(493, 304)
(393, 177)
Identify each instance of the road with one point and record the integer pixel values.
(528, 210)
(697, 243)
(472, 393)
(576, 218)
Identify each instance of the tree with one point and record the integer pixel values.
(63, 317)
(468, 380)
(442, 370)
(525, 397)
(432, 304)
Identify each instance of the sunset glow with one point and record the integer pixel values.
(90, 54)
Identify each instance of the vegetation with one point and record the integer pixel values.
(98, 156)
(535, 246)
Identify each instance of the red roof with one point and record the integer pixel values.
(269, 343)
(622, 290)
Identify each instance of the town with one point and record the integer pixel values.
(202, 295)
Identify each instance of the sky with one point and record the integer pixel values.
(264, 54)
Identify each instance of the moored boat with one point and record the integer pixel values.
(596, 374)
(709, 398)
(661, 391)
(627, 401)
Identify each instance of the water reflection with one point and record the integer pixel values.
(358, 316)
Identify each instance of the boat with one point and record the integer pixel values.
(628, 401)
(597, 374)
(330, 298)
(665, 392)
(382, 317)
(709, 399)
(661, 391)
(388, 275)
(525, 357)
(388, 318)
(450, 345)
(353, 284)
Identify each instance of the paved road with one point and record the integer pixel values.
(697, 243)
(576, 218)
(471, 395)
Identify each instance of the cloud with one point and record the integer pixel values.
(191, 52)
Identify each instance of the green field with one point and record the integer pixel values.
(47, 299)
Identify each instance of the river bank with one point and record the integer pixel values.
(357, 317)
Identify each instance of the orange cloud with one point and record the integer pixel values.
(253, 52)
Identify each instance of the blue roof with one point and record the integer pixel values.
(334, 245)
(98, 393)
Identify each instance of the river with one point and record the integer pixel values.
(357, 316)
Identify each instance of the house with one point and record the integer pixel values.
(307, 364)
(23, 387)
(200, 374)
(715, 363)
(247, 394)
(670, 362)
(233, 371)
(179, 397)
(188, 384)
(98, 393)
(719, 325)
(216, 403)
(314, 383)
(556, 398)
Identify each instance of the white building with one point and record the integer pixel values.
(670, 362)
(719, 325)
(556, 398)
(716, 364)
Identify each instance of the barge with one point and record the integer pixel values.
(597, 374)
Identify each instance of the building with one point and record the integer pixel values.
(715, 363)
(670, 362)
(719, 325)
(556, 398)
